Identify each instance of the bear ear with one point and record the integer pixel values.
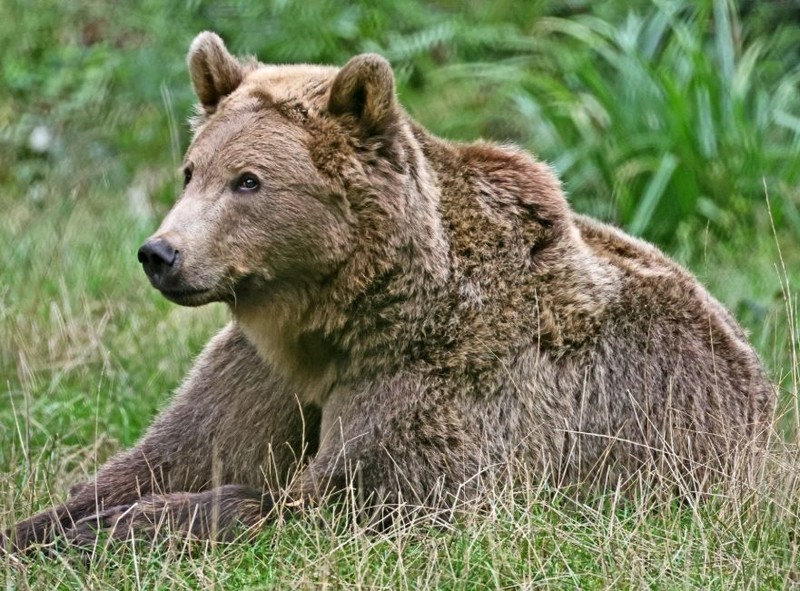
(215, 72)
(364, 88)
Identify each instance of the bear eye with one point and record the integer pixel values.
(187, 176)
(248, 182)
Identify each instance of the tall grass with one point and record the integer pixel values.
(523, 537)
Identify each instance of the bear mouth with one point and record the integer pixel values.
(187, 297)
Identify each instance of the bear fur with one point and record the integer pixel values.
(412, 318)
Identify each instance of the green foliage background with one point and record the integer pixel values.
(677, 120)
(657, 114)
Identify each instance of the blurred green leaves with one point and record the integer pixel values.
(661, 115)
(666, 117)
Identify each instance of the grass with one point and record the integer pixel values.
(528, 538)
(90, 352)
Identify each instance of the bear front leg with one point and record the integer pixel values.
(232, 422)
(396, 443)
(220, 514)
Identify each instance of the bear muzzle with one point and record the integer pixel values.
(161, 262)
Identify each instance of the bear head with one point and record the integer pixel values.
(296, 177)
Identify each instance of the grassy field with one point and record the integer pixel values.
(680, 124)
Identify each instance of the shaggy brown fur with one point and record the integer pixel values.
(409, 313)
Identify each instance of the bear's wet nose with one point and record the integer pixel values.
(157, 256)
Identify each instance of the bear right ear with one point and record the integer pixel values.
(364, 88)
(215, 72)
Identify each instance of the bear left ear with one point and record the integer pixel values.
(215, 72)
(364, 88)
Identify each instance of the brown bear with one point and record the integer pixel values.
(415, 317)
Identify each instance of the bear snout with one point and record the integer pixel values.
(159, 260)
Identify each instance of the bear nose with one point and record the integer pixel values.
(157, 256)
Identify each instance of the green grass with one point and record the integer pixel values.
(655, 116)
(529, 538)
